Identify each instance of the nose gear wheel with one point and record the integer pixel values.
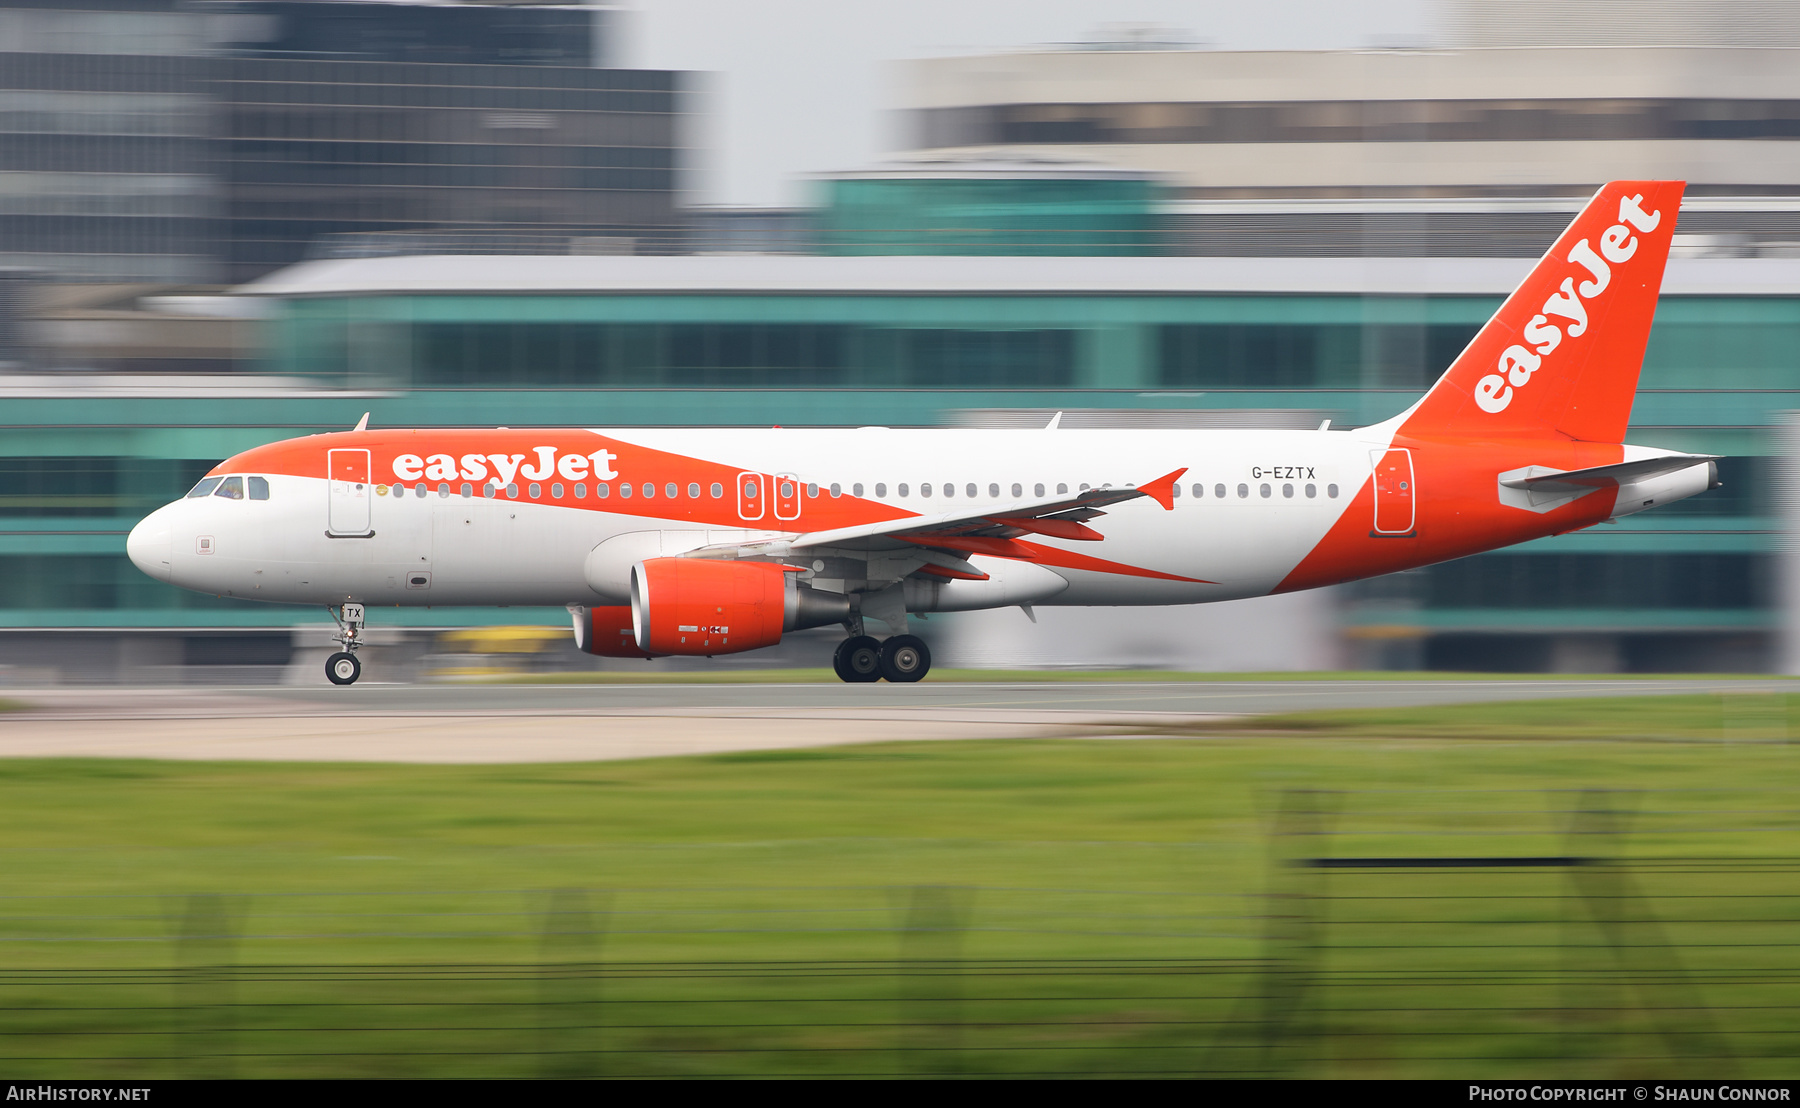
(342, 668)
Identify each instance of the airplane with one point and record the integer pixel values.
(710, 541)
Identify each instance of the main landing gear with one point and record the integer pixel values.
(342, 668)
(903, 658)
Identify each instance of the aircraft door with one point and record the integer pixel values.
(787, 496)
(752, 494)
(349, 493)
(1394, 492)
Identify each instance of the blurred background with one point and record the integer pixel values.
(224, 222)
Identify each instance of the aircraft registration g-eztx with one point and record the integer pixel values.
(706, 541)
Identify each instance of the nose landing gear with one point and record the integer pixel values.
(342, 668)
(903, 658)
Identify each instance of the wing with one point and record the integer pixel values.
(989, 529)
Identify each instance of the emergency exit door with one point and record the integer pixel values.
(1394, 492)
(348, 482)
(751, 496)
(787, 496)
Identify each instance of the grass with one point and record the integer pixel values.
(824, 676)
(1088, 906)
(1751, 714)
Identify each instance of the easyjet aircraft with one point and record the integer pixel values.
(714, 541)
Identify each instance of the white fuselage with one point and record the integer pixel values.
(1283, 490)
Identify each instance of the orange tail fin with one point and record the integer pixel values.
(1561, 356)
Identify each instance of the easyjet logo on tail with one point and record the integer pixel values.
(1518, 362)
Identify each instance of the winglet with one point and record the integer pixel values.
(1055, 422)
(362, 424)
(1162, 490)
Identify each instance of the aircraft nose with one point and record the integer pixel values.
(150, 544)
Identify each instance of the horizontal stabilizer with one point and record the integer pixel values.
(1541, 479)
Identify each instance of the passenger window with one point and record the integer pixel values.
(902, 489)
(556, 491)
(488, 490)
(259, 488)
(205, 487)
(649, 490)
(924, 490)
(1243, 491)
(717, 490)
(856, 489)
(1062, 488)
(581, 490)
(624, 489)
(1175, 491)
(1019, 490)
(672, 491)
(970, 490)
(1037, 489)
(419, 490)
(534, 490)
(837, 489)
(1199, 490)
(1265, 490)
(693, 490)
(231, 489)
(812, 488)
(443, 488)
(1219, 491)
(1331, 491)
(1085, 486)
(468, 490)
(602, 490)
(1287, 491)
(1312, 492)
(880, 489)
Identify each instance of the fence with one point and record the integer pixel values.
(1571, 934)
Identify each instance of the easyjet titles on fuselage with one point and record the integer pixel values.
(474, 467)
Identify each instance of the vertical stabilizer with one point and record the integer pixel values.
(1560, 359)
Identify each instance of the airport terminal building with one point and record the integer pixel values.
(1136, 236)
(834, 341)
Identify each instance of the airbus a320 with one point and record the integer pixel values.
(709, 541)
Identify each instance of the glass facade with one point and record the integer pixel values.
(315, 149)
(103, 167)
(182, 143)
(1571, 119)
(994, 214)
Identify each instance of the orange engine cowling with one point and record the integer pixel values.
(698, 606)
(606, 632)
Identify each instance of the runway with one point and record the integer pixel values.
(559, 723)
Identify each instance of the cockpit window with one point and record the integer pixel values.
(231, 489)
(205, 487)
(259, 488)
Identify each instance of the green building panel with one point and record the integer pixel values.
(77, 472)
(1079, 216)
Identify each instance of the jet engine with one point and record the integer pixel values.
(606, 632)
(702, 606)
